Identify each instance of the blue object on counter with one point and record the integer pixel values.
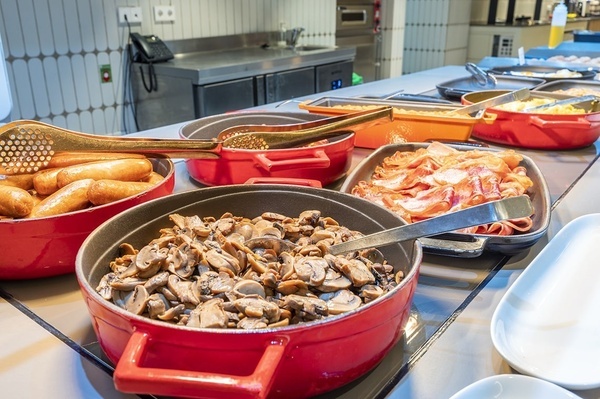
(586, 36)
(578, 49)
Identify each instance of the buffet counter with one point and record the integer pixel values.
(49, 349)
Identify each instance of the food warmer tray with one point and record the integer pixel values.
(566, 84)
(456, 88)
(462, 244)
(406, 127)
(541, 69)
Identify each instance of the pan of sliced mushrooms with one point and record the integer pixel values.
(183, 307)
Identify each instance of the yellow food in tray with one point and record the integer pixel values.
(402, 111)
(522, 106)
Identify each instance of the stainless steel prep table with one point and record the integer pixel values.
(448, 347)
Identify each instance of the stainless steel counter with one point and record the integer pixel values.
(48, 333)
(216, 66)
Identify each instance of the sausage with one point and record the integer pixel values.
(118, 169)
(15, 202)
(45, 181)
(106, 191)
(154, 178)
(69, 198)
(24, 181)
(62, 159)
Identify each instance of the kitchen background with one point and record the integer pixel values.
(55, 49)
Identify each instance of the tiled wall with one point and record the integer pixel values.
(55, 48)
(436, 33)
(392, 32)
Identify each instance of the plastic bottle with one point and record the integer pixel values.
(557, 29)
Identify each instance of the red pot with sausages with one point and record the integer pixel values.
(544, 131)
(298, 360)
(324, 162)
(46, 246)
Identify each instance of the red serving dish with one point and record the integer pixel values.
(300, 360)
(44, 247)
(325, 162)
(536, 130)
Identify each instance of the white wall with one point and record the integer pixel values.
(54, 48)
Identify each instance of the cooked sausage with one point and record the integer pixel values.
(106, 191)
(62, 159)
(154, 178)
(24, 181)
(118, 169)
(69, 198)
(45, 181)
(15, 202)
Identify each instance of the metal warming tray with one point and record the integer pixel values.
(546, 72)
(406, 127)
(456, 88)
(462, 244)
(576, 87)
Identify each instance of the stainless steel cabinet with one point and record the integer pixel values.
(223, 97)
(285, 85)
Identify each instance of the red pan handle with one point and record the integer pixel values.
(319, 159)
(130, 375)
(579, 123)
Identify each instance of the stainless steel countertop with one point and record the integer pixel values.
(207, 67)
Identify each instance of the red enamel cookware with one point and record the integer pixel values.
(299, 360)
(43, 247)
(538, 130)
(324, 162)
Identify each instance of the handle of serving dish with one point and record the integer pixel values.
(319, 159)
(285, 180)
(461, 249)
(131, 376)
(579, 123)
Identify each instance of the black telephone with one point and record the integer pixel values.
(150, 49)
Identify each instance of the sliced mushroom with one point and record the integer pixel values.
(311, 269)
(310, 307)
(183, 290)
(309, 218)
(370, 292)
(150, 260)
(334, 281)
(126, 284)
(343, 301)
(212, 314)
(252, 323)
(248, 287)
(104, 288)
(136, 301)
(294, 286)
(156, 281)
(222, 260)
(172, 313)
(255, 306)
(287, 265)
(358, 272)
(157, 304)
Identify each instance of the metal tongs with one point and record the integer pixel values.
(482, 77)
(573, 100)
(516, 95)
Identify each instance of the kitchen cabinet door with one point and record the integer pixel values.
(222, 97)
(284, 85)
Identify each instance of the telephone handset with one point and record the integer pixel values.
(150, 48)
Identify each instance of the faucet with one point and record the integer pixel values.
(296, 32)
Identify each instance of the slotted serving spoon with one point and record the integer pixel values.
(28, 146)
(490, 212)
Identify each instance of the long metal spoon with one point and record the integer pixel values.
(490, 212)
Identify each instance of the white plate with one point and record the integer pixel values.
(513, 386)
(547, 325)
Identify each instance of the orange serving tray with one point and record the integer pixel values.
(406, 127)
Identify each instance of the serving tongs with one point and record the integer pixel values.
(295, 134)
(482, 77)
(490, 212)
(517, 95)
(574, 100)
(28, 146)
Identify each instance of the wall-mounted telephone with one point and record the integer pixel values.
(150, 49)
